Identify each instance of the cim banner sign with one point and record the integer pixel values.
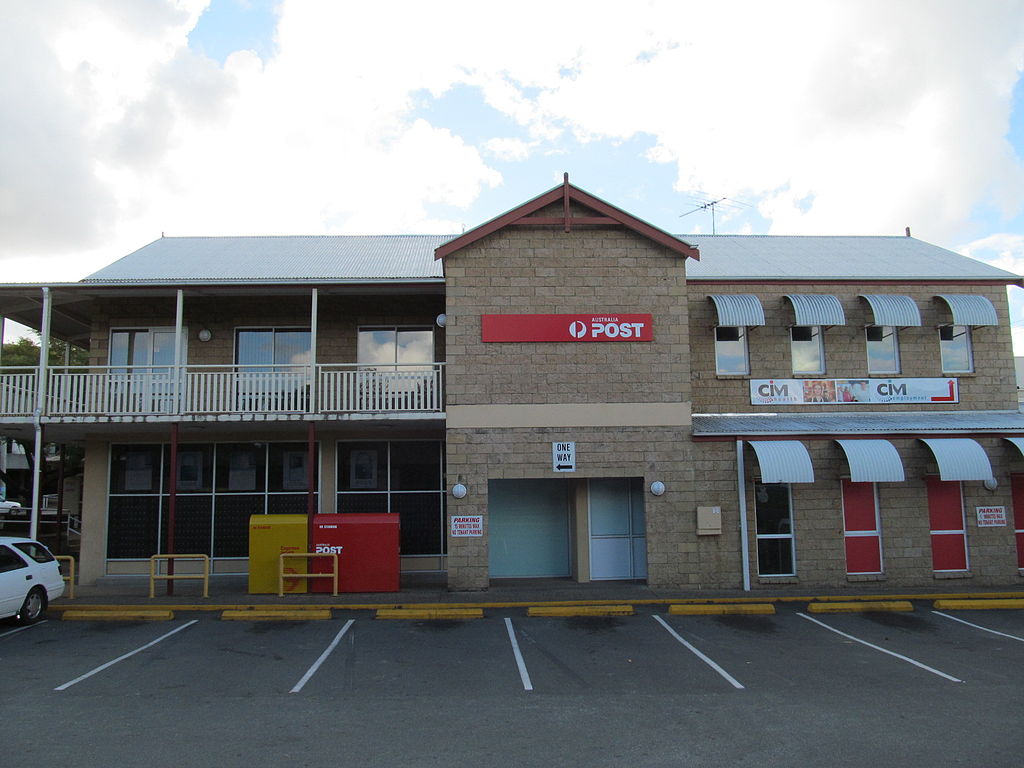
(567, 327)
(845, 391)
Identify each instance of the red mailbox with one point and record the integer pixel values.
(367, 547)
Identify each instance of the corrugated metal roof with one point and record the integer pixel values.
(873, 461)
(325, 257)
(863, 422)
(969, 309)
(783, 461)
(783, 257)
(890, 309)
(817, 309)
(411, 257)
(959, 458)
(738, 309)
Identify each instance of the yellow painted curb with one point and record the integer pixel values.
(974, 605)
(720, 610)
(861, 607)
(580, 610)
(426, 614)
(119, 615)
(276, 615)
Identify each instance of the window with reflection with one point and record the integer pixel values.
(731, 350)
(388, 348)
(272, 348)
(883, 349)
(808, 349)
(955, 348)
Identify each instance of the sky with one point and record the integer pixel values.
(122, 120)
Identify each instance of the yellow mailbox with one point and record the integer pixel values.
(269, 536)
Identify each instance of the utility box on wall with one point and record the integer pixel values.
(709, 521)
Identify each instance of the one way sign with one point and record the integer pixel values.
(563, 457)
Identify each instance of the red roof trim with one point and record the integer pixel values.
(566, 192)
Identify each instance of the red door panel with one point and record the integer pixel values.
(859, 506)
(863, 554)
(945, 508)
(948, 552)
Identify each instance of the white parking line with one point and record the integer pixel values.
(323, 657)
(883, 650)
(22, 629)
(732, 680)
(523, 674)
(122, 658)
(977, 626)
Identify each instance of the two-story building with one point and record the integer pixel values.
(564, 391)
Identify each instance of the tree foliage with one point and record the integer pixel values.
(25, 351)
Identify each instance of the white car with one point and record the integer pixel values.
(29, 579)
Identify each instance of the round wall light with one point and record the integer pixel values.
(441, 320)
(459, 491)
(991, 484)
(205, 335)
(657, 487)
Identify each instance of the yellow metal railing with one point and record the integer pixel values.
(281, 575)
(153, 575)
(70, 578)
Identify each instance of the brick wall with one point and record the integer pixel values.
(521, 271)
(991, 387)
(818, 521)
(478, 455)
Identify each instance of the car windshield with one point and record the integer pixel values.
(36, 551)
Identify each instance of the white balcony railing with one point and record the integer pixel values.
(18, 391)
(212, 390)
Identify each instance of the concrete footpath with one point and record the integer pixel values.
(231, 592)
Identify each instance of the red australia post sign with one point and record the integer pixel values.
(608, 327)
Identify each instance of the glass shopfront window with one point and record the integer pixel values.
(397, 477)
(220, 485)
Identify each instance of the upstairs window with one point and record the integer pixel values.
(883, 349)
(955, 348)
(386, 348)
(271, 347)
(731, 350)
(808, 349)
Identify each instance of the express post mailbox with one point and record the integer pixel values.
(367, 546)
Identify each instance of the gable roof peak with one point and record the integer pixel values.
(566, 193)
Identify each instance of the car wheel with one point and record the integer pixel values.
(34, 606)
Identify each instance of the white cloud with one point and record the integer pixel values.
(507, 149)
(834, 117)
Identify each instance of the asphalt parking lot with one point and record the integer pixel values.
(922, 688)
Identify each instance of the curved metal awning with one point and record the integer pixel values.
(783, 461)
(1017, 441)
(738, 309)
(959, 458)
(970, 309)
(889, 309)
(816, 309)
(873, 461)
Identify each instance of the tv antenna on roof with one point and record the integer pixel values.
(709, 205)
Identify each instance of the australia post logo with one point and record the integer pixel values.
(607, 327)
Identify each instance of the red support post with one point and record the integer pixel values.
(310, 481)
(172, 501)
